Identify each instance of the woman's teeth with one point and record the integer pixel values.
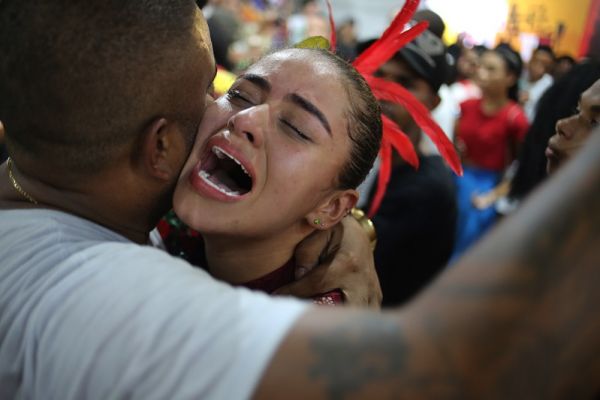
(226, 174)
(221, 154)
(206, 177)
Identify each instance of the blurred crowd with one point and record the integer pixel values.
(242, 31)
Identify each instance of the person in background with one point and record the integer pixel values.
(307, 23)
(572, 132)
(558, 102)
(538, 79)
(465, 88)
(346, 40)
(223, 21)
(417, 218)
(488, 133)
(563, 65)
(446, 111)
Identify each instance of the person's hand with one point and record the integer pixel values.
(339, 258)
(484, 200)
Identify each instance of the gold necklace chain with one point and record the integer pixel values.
(16, 185)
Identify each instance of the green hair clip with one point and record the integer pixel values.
(313, 42)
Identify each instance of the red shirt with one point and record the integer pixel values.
(487, 137)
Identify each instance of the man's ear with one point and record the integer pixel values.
(163, 149)
(333, 209)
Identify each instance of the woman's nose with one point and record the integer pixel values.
(251, 124)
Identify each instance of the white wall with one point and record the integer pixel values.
(371, 16)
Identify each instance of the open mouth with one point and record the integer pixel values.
(225, 173)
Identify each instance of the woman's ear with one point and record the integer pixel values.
(163, 150)
(333, 209)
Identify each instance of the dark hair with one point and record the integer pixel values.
(70, 72)
(566, 58)
(558, 102)
(545, 49)
(514, 66)
(480, 49)
(364, 123)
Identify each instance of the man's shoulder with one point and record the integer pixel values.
(36, 224)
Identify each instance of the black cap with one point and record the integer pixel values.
(436, 23)
(427, 56)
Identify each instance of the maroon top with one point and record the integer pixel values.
(186, 243)
(284, 275)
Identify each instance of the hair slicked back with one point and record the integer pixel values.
(364, 123)
(79, 79)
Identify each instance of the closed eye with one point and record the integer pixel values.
(295, 130)
(239, 98)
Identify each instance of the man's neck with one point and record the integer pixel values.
(238, 260)
(99, 204)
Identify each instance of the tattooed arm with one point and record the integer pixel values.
(516, 318)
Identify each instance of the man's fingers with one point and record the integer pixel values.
(309, 251)
(315, 282)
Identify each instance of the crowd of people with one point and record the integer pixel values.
(150, 229)
(484, 99)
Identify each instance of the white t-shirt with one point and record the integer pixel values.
(535, 91)
(445, 115)
(86, 314)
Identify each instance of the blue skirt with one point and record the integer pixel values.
(473, 223)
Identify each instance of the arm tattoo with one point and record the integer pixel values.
(348, 357)
(518, 319)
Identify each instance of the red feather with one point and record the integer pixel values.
(391, 41)
(391, 91)
(333, 37)
(385, 154)
(392, 137)
(400, 141)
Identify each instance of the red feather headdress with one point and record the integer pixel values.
(392, 40)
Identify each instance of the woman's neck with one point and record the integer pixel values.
(493, 102)
(238, 260)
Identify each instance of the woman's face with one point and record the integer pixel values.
(573, 131)
(468, 63)
(492, 74)
(541, 63)
(269, 152)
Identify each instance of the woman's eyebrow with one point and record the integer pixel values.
(257, 80)
(311, 108)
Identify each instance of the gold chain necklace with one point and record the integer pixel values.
(16, 185)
